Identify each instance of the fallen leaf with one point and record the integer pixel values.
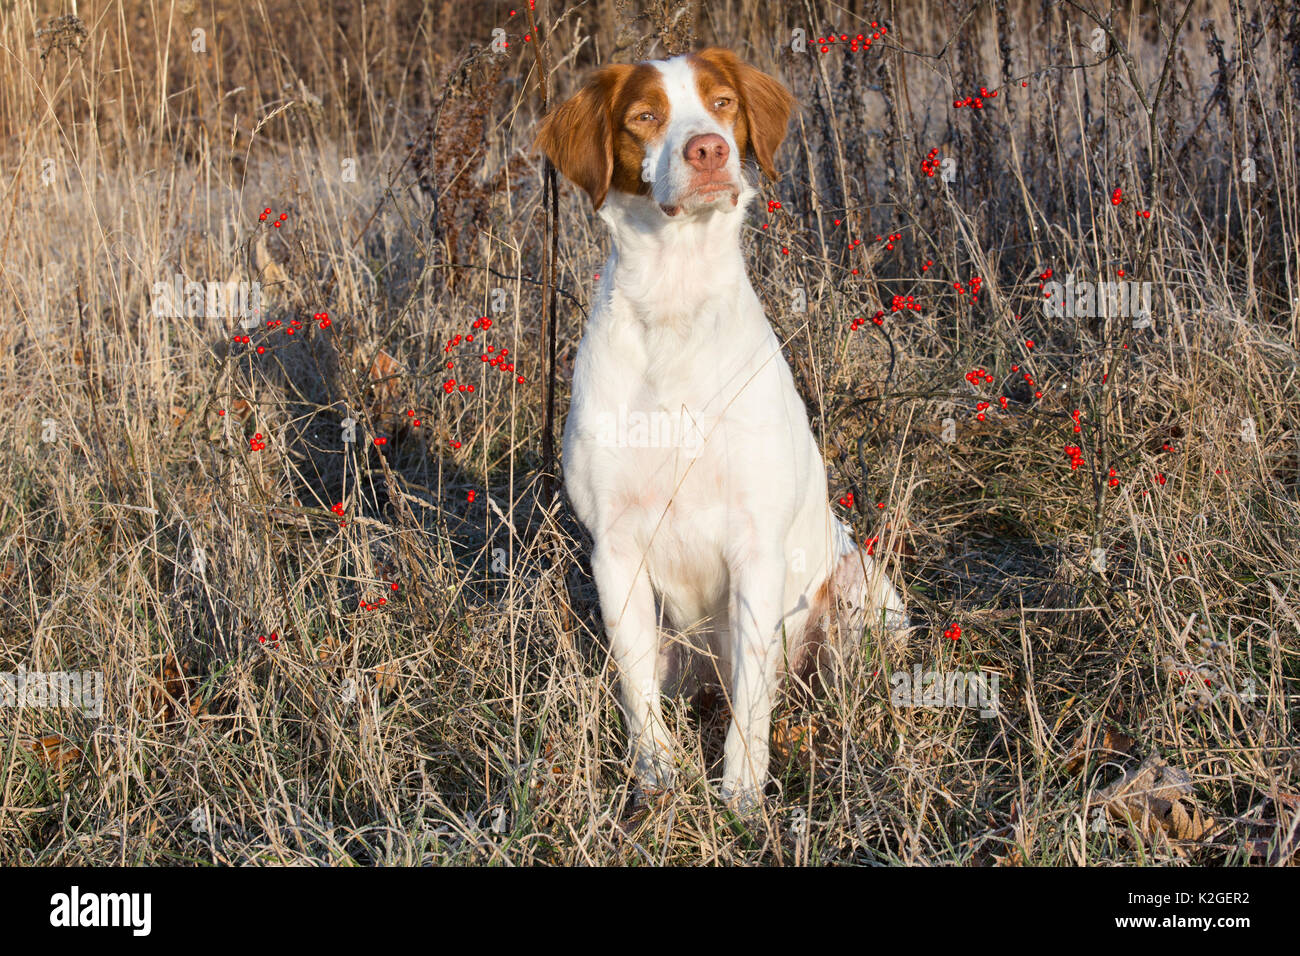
(385, 373)
(1156, 798)
(386, 675)
(327, 648)
(1113, 744)
(167, 693)
(793, 740)
(54, 751)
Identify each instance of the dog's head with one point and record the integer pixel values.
(674, 130)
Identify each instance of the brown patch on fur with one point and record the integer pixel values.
(805, 662)
(643, 92)
(717, 74)
(764, 108)
(596, 140)
(578, 135)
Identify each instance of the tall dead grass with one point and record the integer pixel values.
(469, 717)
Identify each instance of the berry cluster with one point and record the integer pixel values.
(860, 42)
(878, 318)
(378, 603)
(974, 288)
(975, 102)
(267, 212)
(930, 165)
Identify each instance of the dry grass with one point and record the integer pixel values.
(470, 718)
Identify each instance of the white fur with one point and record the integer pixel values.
(670, 175)
(726, 520)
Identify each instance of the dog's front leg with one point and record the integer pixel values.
(755, 613)
(627, 606)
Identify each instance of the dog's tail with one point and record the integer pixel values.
(855, 597)
(864, 595)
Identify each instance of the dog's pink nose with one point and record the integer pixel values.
(706, 152)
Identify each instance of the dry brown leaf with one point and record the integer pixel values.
(1114, 744)
(167, 693)
(54, 751)
(384, 366)
(173, 677)
(1157, 798)
(791, 740)
(385, 373)
(387, 675)
(1278, 850)
(179, 415)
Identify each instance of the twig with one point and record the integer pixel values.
(551, 202)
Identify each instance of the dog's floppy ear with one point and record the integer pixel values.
(578, 135)
(767, 106)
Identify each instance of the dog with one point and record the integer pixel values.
(688, 455)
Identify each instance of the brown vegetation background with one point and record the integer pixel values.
(1147, 698)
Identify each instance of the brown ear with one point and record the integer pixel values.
(578, 135)
(766, 103)
(767, 106)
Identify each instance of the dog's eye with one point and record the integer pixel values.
(646, 117)
(722, 102)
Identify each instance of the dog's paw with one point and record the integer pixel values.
(654, 772)
(744, 800)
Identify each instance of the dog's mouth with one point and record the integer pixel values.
(703, 196)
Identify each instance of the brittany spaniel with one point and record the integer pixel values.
(687, 451)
